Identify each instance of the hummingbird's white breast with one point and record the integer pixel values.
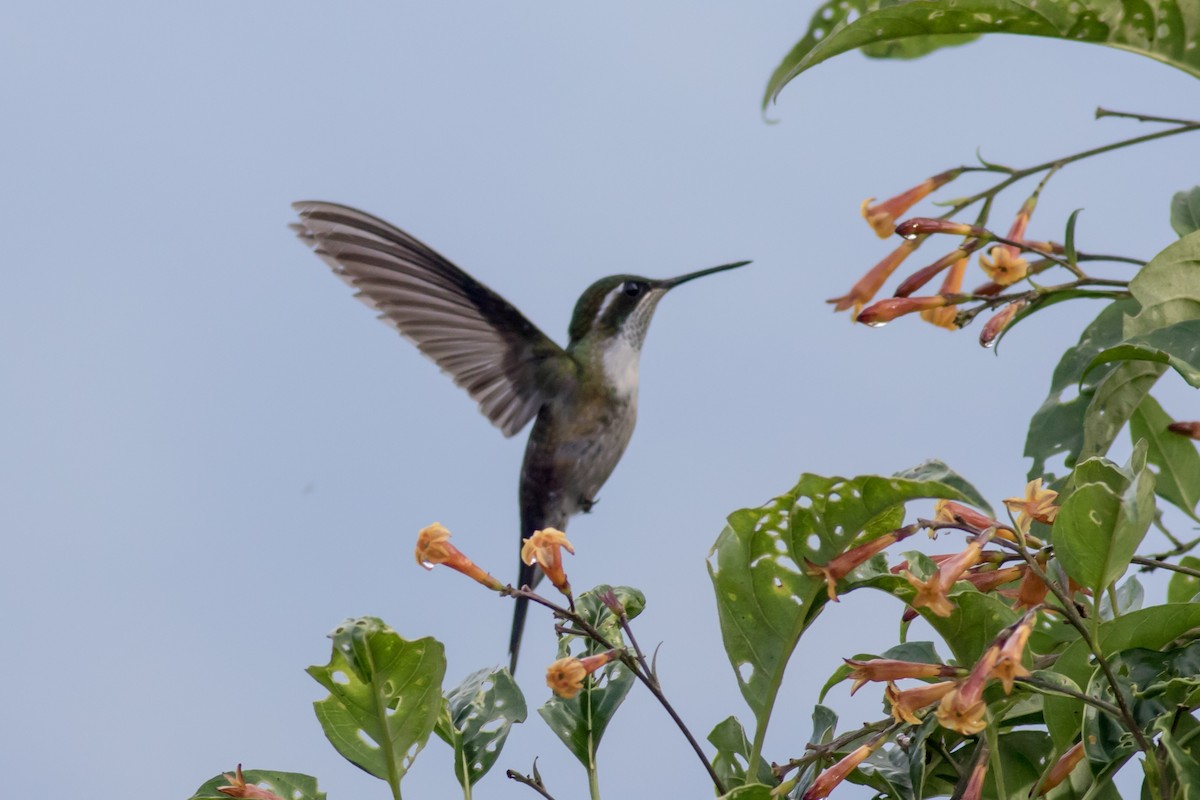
(620, 363)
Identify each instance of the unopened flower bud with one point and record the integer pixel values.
(920, 226)
(1189, 429)
(999, 321)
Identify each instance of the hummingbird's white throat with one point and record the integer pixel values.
(620, 362)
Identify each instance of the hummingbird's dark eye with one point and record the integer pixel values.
(632, 288)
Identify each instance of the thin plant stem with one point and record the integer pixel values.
(531, 782)
(1154, 563)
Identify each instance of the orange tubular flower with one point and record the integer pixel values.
(932, 594)
(1062, 768)
(888, 669)
(433, 547)
(829, 779)
(926, 274)
(1005, 266)
(950, 512)
(1008, 665)
(963, 709)
(999, 321)
(565, 676)
(905, 704)
(545, 549)
(1189, 429)
(239, 788)
(995, 578)
(868, 286)
(948, 317)
(1038, 503)
(884, 311)
(841, 566)
(882, 217)
(974, 790)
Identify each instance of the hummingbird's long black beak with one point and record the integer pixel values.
(671, 283)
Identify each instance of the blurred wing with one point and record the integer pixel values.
(475, 335)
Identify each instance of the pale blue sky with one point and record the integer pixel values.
(213, 454)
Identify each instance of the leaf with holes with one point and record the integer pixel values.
(1097, 530)
(1057, 427)
(1177, 474)
(476, 720)
(1151, 628)
(385, 694)
(733, 751)
(1185, 211)
(765, 601)
(935, 470)
(285, 785)
(580, 722)
(1164, 30)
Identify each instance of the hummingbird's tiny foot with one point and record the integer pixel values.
(586, 504)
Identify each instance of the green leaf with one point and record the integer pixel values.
(1177, 346)
(765, 600)
(1182, 588)
(288, 785)
(580, 722)
(1130, 596)
(1186, 768)
(1057, 427)
(754, 791)
(1023, 755)
(1160, 30)
(1177, 478)
(824, 724)
(1150, 628)
(733, 749)
(1117, 396)
(385, 694)
(1185, 211)
(478, 715)
(1097, 530)
(935, 470)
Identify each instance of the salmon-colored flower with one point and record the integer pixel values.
(868, 286)
(923, 226)
(988, 580)
(1005, 265)
(544, 548)
(433, 547)
(1009, 666)
(565, 676)
(963, 709)
(949, 512)
(829, 779)
(239, 788)
(884, 311)
(926, 274)
(882, 216)
(1189, 429)
(906, 703)
(933, 593)
(890, 669)
(999, 321)
(1062, 768)
(948, 317)
(974, 788)
(1038, 503)
(841, 566)
(1032, 590)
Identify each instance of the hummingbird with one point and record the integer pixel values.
(582, 399)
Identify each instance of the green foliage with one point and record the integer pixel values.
(1099, 527)
(1159, 29)
(476, 720)
(765, 599)
(1177, 478)
(1185, 211)
(1183, 588)
(580, 722)
(288, 785)
(733, 748)
(385, 694)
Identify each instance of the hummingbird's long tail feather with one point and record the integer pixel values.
(537, 513)
(527, 576)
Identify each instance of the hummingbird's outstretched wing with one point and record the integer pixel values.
(476, 336)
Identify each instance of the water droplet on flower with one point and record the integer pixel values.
(910, 236)
(875, 324)
(990, 343)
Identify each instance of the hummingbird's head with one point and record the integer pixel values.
(621, 305)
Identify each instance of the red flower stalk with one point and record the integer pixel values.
(884, 311)
(1189, 429)
(999, 321)
(882, 216)
(841, 566)
(920, 226)
(868, 285)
